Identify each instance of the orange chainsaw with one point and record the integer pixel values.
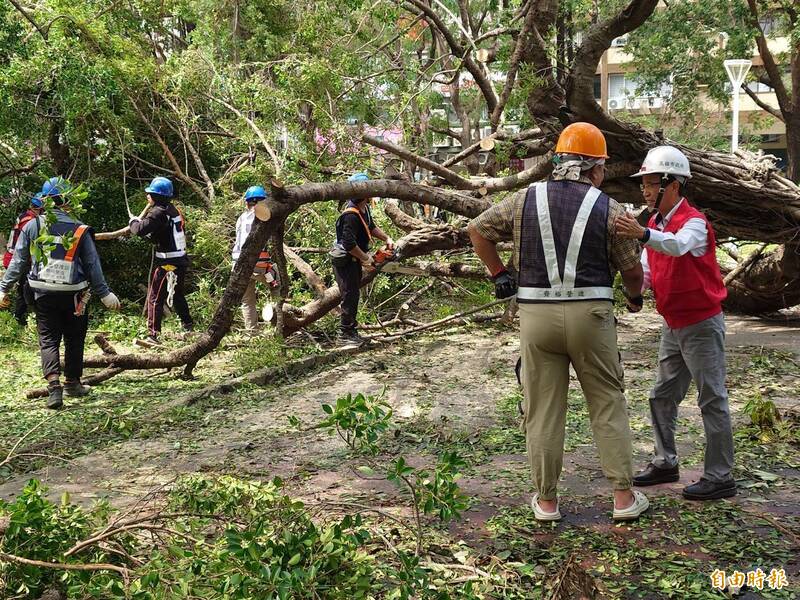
(383, 255)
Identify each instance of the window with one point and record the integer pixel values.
(769, 24)
(758, 87)
(598, 86)
(624, 92)
(619, 87)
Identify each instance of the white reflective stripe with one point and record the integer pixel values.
(576, 237)
(57, 287)
(561, 294)
(175, 254)
(546, 233)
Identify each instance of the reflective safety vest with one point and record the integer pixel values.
(63, 271)
(23, 220)
(563, 254)
(177, 229)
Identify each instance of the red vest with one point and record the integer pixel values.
(688, 289)
(23, 219)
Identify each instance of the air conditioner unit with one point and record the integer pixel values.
(620, 41)
(616, 103)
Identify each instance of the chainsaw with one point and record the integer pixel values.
(383, 255)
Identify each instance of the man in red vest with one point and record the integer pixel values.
(680, 265)
(24, 295)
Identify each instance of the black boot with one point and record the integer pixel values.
(75, 389)
(349, 339)
(709, 490)
(55, 395)
(653, 475)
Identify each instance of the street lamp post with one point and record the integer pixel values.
(737, 70)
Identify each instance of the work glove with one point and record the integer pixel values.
(111, 301)
(505, 285)
(635, 303)
(390, 244)
(4, 301)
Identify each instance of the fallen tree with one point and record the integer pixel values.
(744, 195)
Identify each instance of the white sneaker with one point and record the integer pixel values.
(635, 510)
(543, 515)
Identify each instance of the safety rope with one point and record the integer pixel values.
(172, 281)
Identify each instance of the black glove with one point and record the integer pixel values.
(504, 285)
(636, 301)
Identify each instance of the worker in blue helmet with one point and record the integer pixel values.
(60, 286)
(24, 295)
(355, 229)
(264, 271)
(165, 227)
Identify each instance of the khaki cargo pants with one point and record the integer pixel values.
(583, 333)
(250, 299)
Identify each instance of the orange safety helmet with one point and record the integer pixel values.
(583, 139)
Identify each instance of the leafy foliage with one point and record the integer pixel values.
(359, 420)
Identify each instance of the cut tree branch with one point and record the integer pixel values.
(65, 566)
(451, 177)
(313, 280)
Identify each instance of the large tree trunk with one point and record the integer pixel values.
(769, 285)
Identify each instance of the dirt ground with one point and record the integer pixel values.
(457, 390)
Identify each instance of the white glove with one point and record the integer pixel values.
(111, 301)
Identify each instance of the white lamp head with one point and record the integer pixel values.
(737, 70)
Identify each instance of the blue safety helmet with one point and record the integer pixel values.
(55, 186)
(36, 201)
(161, 186)
(255, 193)
(358, 177)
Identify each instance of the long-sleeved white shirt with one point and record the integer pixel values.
(243, 226)
(692, 237)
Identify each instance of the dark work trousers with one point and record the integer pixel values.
(24, 294)
(348, 277)
(158, 297)
(55, 319)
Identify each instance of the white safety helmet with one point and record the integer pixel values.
(664, 161)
